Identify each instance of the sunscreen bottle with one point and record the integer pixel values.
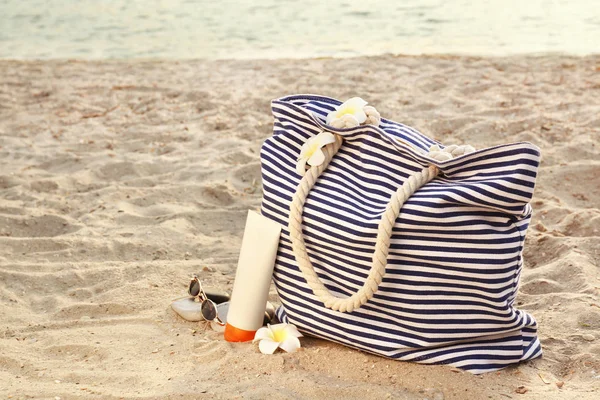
(253, 278)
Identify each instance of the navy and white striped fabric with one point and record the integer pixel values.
(456, 251)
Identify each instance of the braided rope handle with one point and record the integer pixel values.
(384, 233)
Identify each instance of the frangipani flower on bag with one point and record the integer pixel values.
(311, 152)
(353, 112)
(279, 336)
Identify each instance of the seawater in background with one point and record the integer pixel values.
(181, 29)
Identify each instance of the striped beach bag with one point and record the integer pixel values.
(395, 244)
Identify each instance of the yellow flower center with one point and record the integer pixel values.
(279, 335)
(312, 148)
(344, 111)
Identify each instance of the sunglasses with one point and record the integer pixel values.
(208, 307)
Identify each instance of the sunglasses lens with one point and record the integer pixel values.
(209, 310)
(194, 288)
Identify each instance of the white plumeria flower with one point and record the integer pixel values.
(311, 152)
(354, 107)
(273, 337)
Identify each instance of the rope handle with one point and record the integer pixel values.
(384, 230)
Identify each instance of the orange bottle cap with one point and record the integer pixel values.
(233, 334)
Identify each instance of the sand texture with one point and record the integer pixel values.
(118, 180)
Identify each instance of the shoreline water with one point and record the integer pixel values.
(119, 179)
(273, 29)
(540, 54)
(446, 56)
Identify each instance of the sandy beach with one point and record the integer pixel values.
(119, 180)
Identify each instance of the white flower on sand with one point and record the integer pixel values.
(273, 337)
(352, 113)
(311, 152)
